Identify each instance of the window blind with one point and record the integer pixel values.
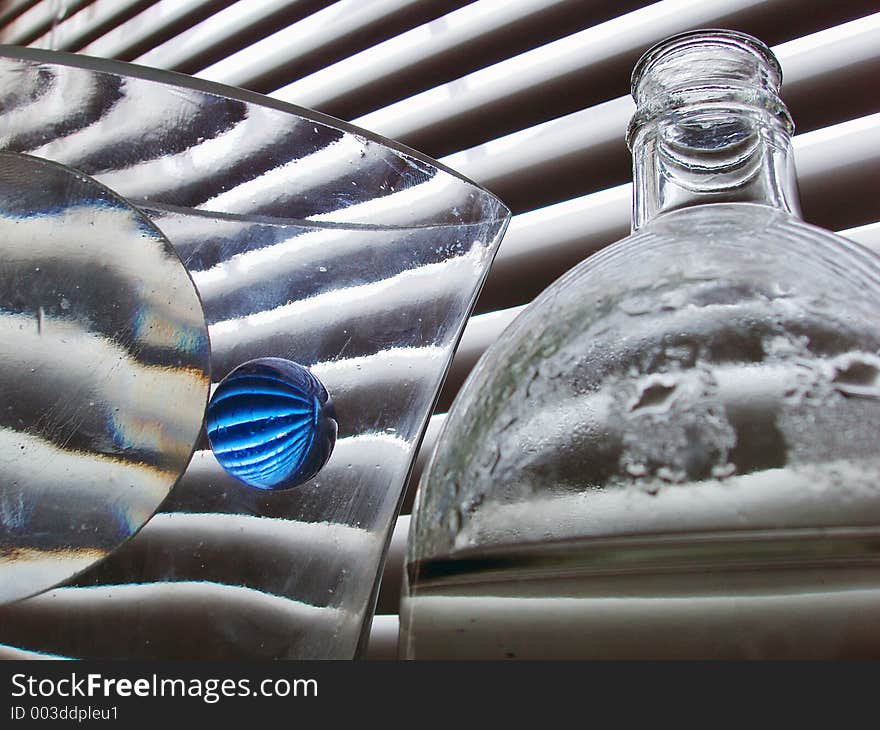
(527, 97)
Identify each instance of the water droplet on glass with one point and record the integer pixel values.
(271, 424)
(674, 476)
(722, 471)
(636, 470)
(857, 375)
(636, 305)
(656, 393)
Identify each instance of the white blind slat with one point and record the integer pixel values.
(37, 19)
(389, 594)
(418, 53)
(13, 8)
(222, 30)
(601, 54)
(383, 638)
(118, 42)
(588, 138)
(282, 49)
(78, 28)
(868, 235)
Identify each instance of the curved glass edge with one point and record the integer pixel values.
(376, 311)
(173, 78)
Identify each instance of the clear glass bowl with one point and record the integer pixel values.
(307, 239)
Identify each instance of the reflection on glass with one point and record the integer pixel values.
(307, 240)
(684, 424)
(104, 371)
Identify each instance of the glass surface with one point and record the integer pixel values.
(104, 371)
(308, 240)
(673, 451)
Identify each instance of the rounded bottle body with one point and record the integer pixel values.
(677, 439)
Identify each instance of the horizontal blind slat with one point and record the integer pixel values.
(321, 38)
(13, 8)
(150, 26)
(584, 68)
(36, 20)
(89, 23)
(435, 423)
(226, 32)
(383, 639)
(389, 591)
(868, 235)
(560, 152)
(462, 41)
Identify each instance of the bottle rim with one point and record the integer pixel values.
(716, 36)
(763, 93)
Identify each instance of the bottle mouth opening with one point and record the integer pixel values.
(704, 44)
(706, 65)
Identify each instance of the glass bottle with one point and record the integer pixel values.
(673, 451)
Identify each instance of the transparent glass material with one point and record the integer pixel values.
(673, 451)
(97, 316)
(309, 240)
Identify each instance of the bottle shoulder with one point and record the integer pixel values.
(697, 255)
(721, 239)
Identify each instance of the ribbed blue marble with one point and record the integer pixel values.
(271, 424)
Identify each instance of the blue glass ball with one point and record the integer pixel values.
(271, 424)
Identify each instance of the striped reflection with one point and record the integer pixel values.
(182, 619)
(97, 317)
(307, 240)
(193, 146)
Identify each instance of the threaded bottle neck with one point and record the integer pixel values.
(709, 125)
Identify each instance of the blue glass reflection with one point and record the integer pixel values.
(271, 424)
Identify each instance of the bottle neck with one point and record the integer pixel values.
(710, 127)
